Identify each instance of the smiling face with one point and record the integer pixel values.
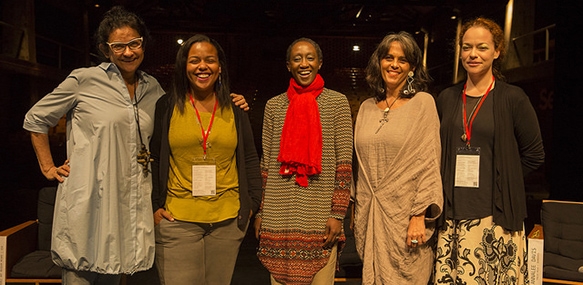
(478, 51)
(395, 67)
(202, 68)
(128, 60)
(304, 63)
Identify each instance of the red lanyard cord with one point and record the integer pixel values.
(468, 127)
(206, 134)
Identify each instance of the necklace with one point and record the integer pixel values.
(464, 136)
(144, 155)
(386, 113)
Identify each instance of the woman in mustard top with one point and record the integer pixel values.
(207, 182)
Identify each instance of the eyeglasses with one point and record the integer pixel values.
(119, 47)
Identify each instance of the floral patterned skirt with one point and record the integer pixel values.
(480, 252)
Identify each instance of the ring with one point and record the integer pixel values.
(414, 241)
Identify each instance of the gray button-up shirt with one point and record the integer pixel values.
(103, 215)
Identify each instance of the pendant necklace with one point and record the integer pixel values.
(464, 137)
(144, 155)
(386, 113)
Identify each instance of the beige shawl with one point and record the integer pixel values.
(398, 177)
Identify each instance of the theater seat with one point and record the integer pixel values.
(27, 246)
(562, 224)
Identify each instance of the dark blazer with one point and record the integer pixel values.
(247, 161)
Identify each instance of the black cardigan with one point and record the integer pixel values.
(518, 149)
(247, 161)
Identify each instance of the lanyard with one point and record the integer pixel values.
(468, 127)
(206, 134)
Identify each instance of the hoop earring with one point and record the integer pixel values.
(410, 90)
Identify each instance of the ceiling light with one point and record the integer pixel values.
(359, 11)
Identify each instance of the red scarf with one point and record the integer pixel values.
(300, 150)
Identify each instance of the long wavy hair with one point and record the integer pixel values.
(181, 85)
(497, 37)
(414, 56)
(117, 17)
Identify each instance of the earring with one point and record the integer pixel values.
(410, 90)
(220, 82)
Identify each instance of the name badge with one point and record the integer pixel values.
(467, 167)
(204, 177)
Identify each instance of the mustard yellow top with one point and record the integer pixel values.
(185, 138)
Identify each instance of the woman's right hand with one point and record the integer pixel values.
(162, 214)
(58, 172)
(240, 101)
(40, 143)
(257, 226)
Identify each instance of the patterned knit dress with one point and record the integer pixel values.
(293, 217)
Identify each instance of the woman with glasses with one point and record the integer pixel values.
(103, 225)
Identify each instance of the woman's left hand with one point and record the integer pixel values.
(240, 101)
(333, 231)
(416, 231)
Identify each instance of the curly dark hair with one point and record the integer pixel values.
(497, 37)
(414, 56)
(312, 42)
(118, 17)
(180, 83)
